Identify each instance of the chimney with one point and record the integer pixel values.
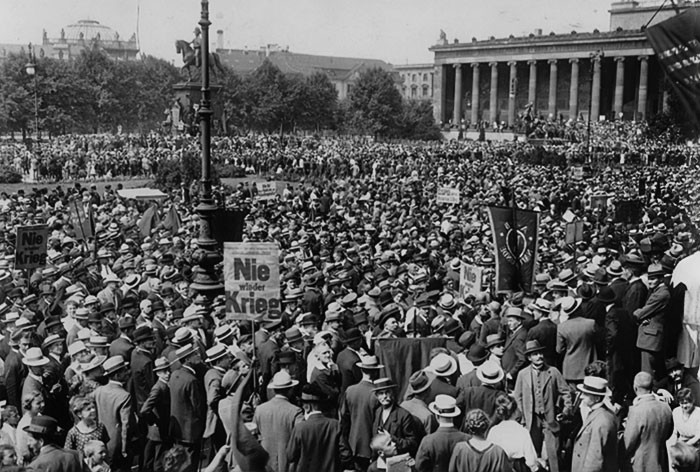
(219, 39)
(538, 32)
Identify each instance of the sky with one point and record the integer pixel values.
(397, 31)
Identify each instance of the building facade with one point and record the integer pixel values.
(416, 81)
(342, 71)
(611, 75)
(77, 37)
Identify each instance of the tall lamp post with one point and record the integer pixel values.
(206, 278)
(595, 58)
(30, 68)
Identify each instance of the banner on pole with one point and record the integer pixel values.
(30, 249)
(470, 278)
(676, 42)
(448, 195)
(252, 279)
(574, 232)
(515, 235)
(629, 211)
(82, 221)
(267, 190)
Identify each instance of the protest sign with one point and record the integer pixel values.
(267, 190)
(448, 195)
(252, 279)
(577, 172)
(470, 280)
(574, 232)
(81, 221)
(30, 250)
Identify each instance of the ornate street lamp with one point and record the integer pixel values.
(595, 56)
(30, 68)
(206, 278)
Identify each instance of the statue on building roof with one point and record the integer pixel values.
(443, 37)
(63, 33)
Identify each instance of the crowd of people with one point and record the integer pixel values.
(112, 359)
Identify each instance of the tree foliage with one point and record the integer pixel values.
(375, 102)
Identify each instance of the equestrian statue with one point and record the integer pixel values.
(191, 55)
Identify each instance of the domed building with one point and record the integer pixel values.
(88, 34)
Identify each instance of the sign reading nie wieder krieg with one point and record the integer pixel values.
(30, 249)
(470, 280)
(448, 195)
(267, 190)
(252, 279)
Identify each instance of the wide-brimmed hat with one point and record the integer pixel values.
(282, 380)
(143, 334)
(369, 363)
(114, 364)
(185, 351)
(594, 386)
(655, 270)
(293, 335)
(615, 269)
(672, 364)
(494, 340)
(447, 302)
(533, 346)
(34, 357)
(633, 258)
(42, 425)
(443, 365)
(76, 347)
(161, 364)
(223, 331)
(445, 406)
(478, 353)
(98, 341)
(607, 295)
(351, 335)
(515, 312)
(569, 305)
(217, 352)
(586, 291)
(566, 275)
(489, 373)
(390, 311)
(51, 340)
(420, 381)
(382, 384)
(542, 305)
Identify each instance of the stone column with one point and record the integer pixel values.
(619, 86)
(532, 85)
(643, 80)
(513, 87)
(457, 110)
(595, 89)
(438, 94)
(552, 102)
(475, 94)
(573, 90)
(493, 100)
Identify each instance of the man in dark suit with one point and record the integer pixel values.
(539, 390)
(514, 351)
(483, 397)
(435, 449)
(545, 331)
(650, 334)
(317, 442)
(156, 413)
(395, 420)
(142, 376)
(267, 354)
(124, 344)
(357, 407)
(188, 404)
(620, 347)
(444, 367)
(636, 294)
(348, 359)
(15, 370)
(595, 445)
(617, 283)
(115, 412)
(49, 456)
(649, 425)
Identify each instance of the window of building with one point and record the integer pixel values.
(413, 78)
(425, 76)
(426, 91)
(414, 92)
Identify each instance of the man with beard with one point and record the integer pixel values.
(539, 389)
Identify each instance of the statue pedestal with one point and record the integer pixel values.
(188, 95)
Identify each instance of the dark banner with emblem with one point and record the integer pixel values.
(676, 43)
(515, 241)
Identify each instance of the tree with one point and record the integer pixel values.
(322, 102)
(375, 102)
(417, 122)
(266, 92)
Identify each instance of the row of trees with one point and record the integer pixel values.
(94, 94)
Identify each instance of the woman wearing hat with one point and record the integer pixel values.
(33, 405)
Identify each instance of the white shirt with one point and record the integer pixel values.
(515, 440)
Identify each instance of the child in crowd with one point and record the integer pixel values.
(95, 454)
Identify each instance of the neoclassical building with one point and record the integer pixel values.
(416, 81)
(611, 74)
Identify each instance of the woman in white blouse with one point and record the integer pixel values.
(513, 437)
(686, 420)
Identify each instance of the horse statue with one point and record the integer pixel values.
(189, 58)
